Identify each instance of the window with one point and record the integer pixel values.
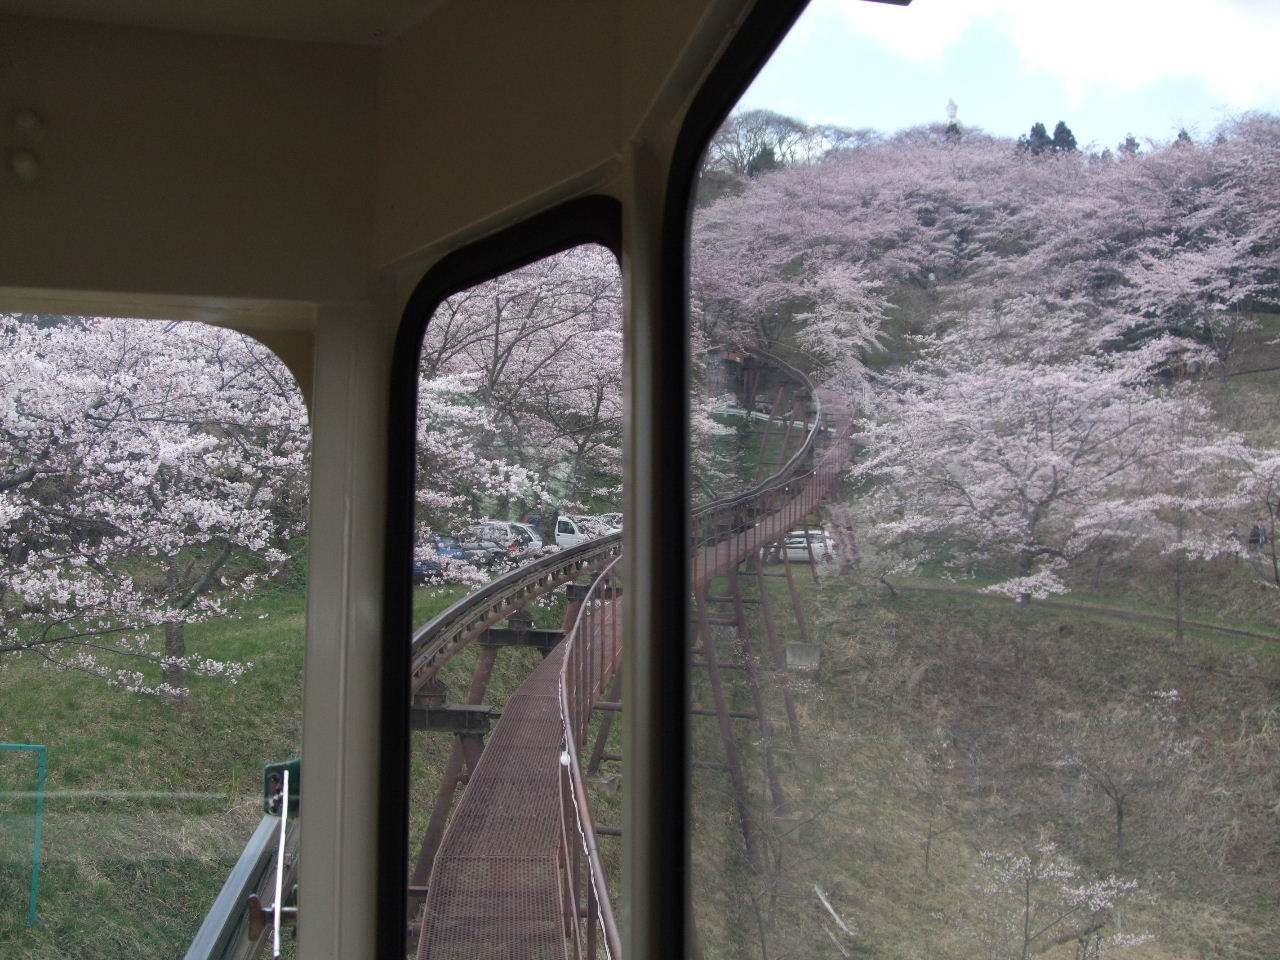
(979, 553)
(518, 385)
(153, 528)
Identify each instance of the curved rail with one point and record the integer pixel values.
(435, 643)
(592, 650)
(224, 934)
(793, 464)
(730, 518)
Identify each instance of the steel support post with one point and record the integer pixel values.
(733, 758)
(801, 622)
(606, 726)
(775, 648)
(757, 694)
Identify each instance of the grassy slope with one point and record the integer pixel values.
(937, 721)
(127, 874)
(132, 875)
(943, 716)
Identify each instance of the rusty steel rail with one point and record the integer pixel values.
(434, 644)
(728, 531)
(794, 465)
(592, 652)
(762, 515)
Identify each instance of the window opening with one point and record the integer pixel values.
(153, 490)
(984, 596)
(517, 612)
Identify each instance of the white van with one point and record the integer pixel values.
(570, 533)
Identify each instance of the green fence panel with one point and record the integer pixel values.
(37, 795)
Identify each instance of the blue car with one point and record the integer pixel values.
(445, 546)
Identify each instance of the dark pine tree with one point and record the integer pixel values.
(1037, 142)
(763, 161)
(1064, 141)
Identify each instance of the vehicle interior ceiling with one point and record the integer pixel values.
(292, 170)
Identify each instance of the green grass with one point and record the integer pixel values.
(747, 453)
(149, 806)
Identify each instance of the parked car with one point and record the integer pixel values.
(570, 533)
(594, 526)
(445, 546)
(612, 519)
(441, 545)
(426, 569)
(517, 538)
(484, 553)
(572, 530)
(532, 532)
(538, 522)
(800, 543)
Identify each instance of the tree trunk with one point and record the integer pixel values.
(1119, 805)
(1026, 919)
(1026, 559)
(175, 675)
(1179, 575)
(1271, 551)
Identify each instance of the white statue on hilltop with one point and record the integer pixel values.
(952, 110)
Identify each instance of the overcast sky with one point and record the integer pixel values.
(1106, 67)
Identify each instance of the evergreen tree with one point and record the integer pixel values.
(1037, 141)
(1064, 141)
(764, 160)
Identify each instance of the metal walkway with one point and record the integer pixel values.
(496, 891)
(507, 879)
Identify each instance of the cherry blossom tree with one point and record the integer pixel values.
(1215, 260)
(537, 354)
(1181, 239)
(1027, 902)
(456, 474)
(1185, 504)
(1042, 295)
(152, 473)
(1021, 463)
(1259, 498)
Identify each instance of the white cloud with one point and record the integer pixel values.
(1093, 45)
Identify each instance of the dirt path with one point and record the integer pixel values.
(1118, 613)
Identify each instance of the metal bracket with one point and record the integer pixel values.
(272, 783)
(577, 592)
(260, 917)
